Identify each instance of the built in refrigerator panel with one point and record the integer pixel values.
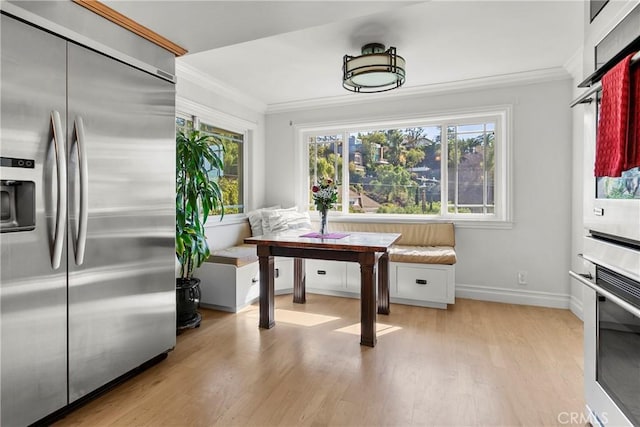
(33, 295)
(122, 295)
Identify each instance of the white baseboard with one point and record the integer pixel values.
(482, 293)
(513, 296)
(576, 307)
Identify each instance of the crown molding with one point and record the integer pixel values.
(206, 81)
(502, 80)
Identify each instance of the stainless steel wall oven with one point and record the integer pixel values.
(618, 340)
(612, 331)
(611, 298)
(614, 205)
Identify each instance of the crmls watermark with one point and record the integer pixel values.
(579, 418)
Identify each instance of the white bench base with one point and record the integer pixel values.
(433, 283)
(425, 285)
(229, 288)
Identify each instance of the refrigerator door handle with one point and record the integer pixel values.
(61, 209)
(81, 238)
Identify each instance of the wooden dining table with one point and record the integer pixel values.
(370, 250)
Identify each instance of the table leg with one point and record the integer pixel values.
(367, 299)
(299, 291)
(383, 284)
(265, 262)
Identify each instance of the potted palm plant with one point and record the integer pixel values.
(198, 166)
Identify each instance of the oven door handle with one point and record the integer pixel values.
(605, 293)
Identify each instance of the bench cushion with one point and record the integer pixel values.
(239, 256)
(423, 254)
(413, 234)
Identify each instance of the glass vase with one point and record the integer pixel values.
(324, 229)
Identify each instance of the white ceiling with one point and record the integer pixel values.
(285, 51)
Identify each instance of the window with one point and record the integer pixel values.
(452, 167)
(471, 168)
(230, 181)
(231, 151)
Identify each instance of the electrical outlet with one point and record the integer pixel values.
(522, 277)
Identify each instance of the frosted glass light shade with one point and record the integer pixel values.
(373, 72)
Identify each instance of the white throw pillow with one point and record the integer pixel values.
(270, 216)
(255, 220)
(299, 221)
(288, 220)
(266, 214)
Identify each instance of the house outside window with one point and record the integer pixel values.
(453, 167)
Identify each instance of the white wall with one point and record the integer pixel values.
(489, 259)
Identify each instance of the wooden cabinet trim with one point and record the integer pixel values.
(131, 25)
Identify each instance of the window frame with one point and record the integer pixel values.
(503, 198)
(189, 110)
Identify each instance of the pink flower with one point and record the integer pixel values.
(315, 189)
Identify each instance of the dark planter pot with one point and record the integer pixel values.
(187, 301)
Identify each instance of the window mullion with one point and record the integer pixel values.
(345, 172)
(457, 156)
(484, 170)
(444, 171)
(454, 168)
(315, 162)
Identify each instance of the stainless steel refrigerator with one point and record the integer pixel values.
(87, 288)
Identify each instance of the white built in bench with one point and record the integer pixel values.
(421, 268)
(229, 278)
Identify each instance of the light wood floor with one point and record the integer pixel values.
(478, 363)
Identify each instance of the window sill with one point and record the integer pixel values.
(404, 219)
(214, 220)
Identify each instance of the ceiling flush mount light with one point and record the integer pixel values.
(376, 70)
